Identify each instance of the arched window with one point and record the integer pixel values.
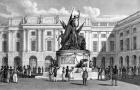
(5, 61)
(33, 63)
(48, 61)
(111, 61)
(134, 60)
(17, 61)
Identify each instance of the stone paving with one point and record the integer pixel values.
(41, 84)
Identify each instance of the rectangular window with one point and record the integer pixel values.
(121, 45)
(121, 34)
(49, 45)
(112, 45)
(95, 23)
(103, 23)
(103, 35)
(95, 35)
(49, 33)
(111, 24)
(127, 32)
(33, 33)
(95, 46)
(134, 43)
(4, 46)
(127, 44)
(33, 45)
(17, 46)
(134, 30)
(103, 43)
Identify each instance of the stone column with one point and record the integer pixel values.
(39, 40)
(13, 41)
(24, 40)
(43, 40)
(10, 41)
(27, 40)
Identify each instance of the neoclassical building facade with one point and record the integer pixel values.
(31, 40)
(127, 41)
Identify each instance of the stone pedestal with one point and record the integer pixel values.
(72, 57)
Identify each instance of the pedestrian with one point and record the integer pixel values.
(114, 75)
(100, 73)
(8, 76)
(15, 77)
(85, 76)
(11, 74)
(63, 74)
(55, 74)
(71, 73)
(67, 76)
(123, 73)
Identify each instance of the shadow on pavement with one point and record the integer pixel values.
(76, 83)
(105, 84)
(134, 81)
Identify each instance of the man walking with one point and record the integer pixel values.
(85, 76)
(114, 75)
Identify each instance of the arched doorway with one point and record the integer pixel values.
(48, 61)
(94, 61)
(127, 61)
(111, 61)
(33, 63)
(121, 62)
(134, 60)
(103, 62)
(17, 61)
(5, 61)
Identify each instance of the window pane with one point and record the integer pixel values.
(103, 46)
(4, 46)
(95, 48)
(49, 33)
(17, 46)
(33, 33)
(18, 35)
(121, 45)
(95, 35)
(112, 45)
(134, 43)
(103, 35)
(4, 36)
(33, 45)
(49, 45)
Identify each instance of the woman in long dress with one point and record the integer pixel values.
(15, 78)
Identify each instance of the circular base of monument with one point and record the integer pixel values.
(71, 57)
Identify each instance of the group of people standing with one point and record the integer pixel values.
(67, 73)
(8, 74)
(111, 72)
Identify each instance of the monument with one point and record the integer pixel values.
(73, 45)
(73, 51)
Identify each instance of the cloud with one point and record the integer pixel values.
(91, 12)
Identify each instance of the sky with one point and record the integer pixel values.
(88, 8)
